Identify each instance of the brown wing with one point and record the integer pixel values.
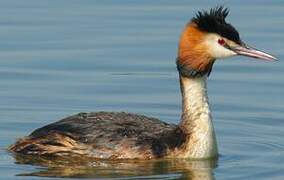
(102, 135)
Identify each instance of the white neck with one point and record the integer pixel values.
(196, 120)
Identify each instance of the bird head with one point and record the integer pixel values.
(208, 37)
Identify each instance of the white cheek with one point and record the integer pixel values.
(215, 49)
(218, 51)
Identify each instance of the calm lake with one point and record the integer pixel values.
(58, 58)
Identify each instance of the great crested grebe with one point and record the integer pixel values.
(119, 135)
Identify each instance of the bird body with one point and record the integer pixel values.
(102, 135)
(108, 135)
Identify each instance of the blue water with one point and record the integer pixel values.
(62, 57)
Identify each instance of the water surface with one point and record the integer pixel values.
(59, 58)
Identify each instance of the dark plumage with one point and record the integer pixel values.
(213, 21)
(191, 72)
(103, 135)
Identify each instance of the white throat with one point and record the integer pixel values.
(196, 120)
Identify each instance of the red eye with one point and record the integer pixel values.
(221, 41)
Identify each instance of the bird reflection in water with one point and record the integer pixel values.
(78, 167)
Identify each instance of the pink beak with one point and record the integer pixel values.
(251, 52)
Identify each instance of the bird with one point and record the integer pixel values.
(206, 38)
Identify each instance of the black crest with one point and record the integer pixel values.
(213, 21)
